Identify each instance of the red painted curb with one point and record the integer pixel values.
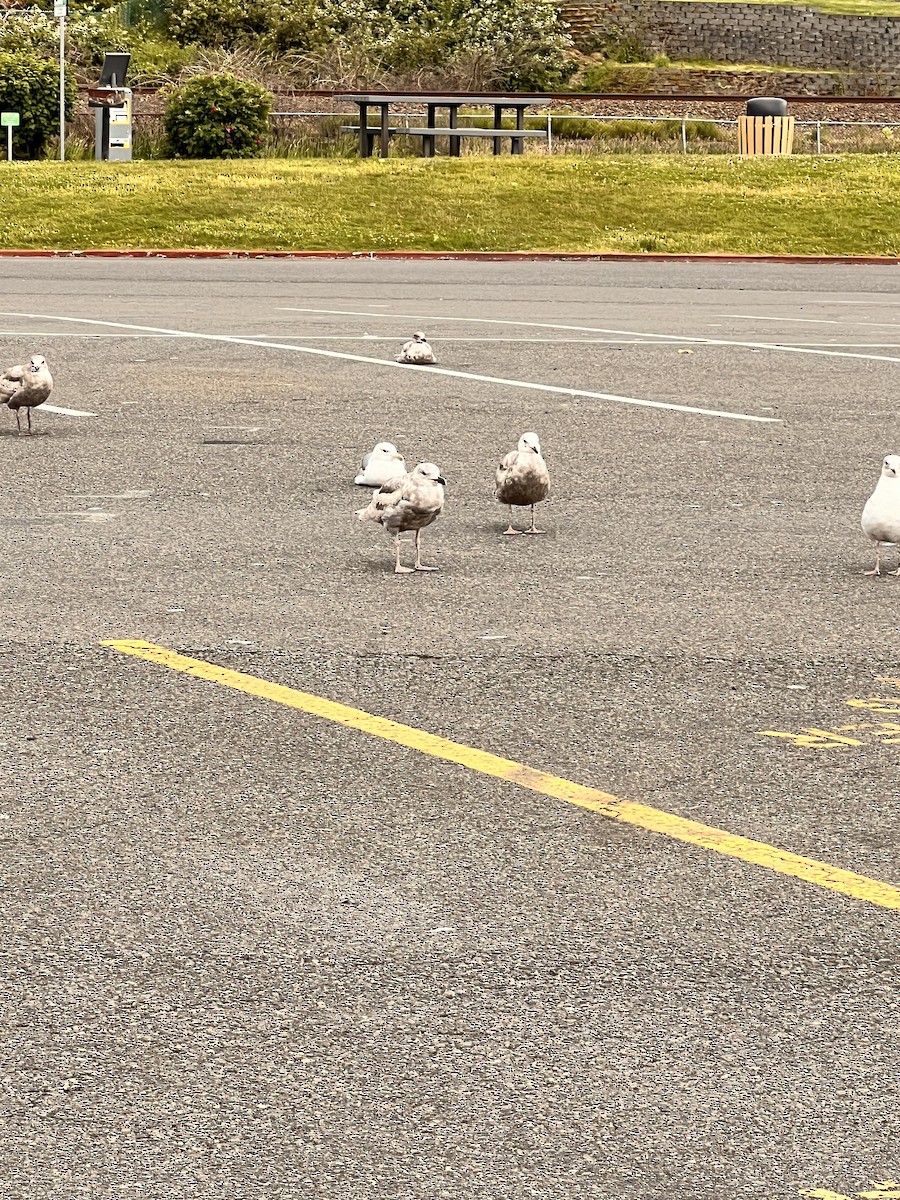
(467, 256)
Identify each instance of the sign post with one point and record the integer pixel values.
(60, 9)
(8, 121)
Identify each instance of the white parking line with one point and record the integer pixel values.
(29, 333)
(813, 321)
(868, 303)
(66, 412)
(648, 340)
(657, 340)
(389, 362)
(777, 347)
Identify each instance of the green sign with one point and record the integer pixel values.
(9, 119)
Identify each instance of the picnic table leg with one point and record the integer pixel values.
(518, 144)
(365, 146)
(498, 121)
(428, 139)
(385, 131)
(454, 120)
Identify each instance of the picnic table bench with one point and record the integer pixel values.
(431, 130)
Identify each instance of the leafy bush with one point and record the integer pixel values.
(29, 85)
(217, 116)
(29, 31)
(219, 22)
(616, 78)
(525, 40)
(155, 58)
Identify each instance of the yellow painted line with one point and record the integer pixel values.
(626, 811)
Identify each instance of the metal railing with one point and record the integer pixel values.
(814, 137)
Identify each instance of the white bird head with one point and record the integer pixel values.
(431, 472)
(530, 441)
(387, 450)
(890, 468)
(37, 362)
(419, 336)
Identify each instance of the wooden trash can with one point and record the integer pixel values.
(765, 135)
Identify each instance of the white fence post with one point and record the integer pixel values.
(684, 135)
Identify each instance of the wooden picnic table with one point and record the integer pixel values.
(431, 130)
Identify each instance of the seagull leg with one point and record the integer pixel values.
(18, 423)
(398, 570)
(510, 529)
(876, 570)
(28, 414)
(532, 529)
(419, 566)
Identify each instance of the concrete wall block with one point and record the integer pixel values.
(771, 34)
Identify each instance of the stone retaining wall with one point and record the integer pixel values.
(694, 81)
(770, 34)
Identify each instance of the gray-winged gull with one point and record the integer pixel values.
(409, 503)
(417, 351)
(382, 465)
(26, 387)
(523, 479)
(881, 515)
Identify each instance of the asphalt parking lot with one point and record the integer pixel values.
(254, 953)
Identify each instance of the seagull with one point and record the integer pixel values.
(410, 502)
(382, 465)
(523, 479)
(416, 351)
(26, 387)
(881, 515)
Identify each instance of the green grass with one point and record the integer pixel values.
(654, 202)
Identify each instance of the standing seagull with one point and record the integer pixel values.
(417, 351)
(26, 387)
(382, 465)
(523, 479)
(881, 516)
(410, 502)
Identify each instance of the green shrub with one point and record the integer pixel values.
(89, 35)
(28, 31)
(615, 78)
(29, 85)
(156, 58)
(219, 22)
(524, 42)
(217, 116)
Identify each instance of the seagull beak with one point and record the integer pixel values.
(398, 456)
(442, 480)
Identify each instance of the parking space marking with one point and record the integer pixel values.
(812, 321)
(389, 362)
(886, 1189)
(66, 412)
(628, 812)
(879, 732)
(778, 347)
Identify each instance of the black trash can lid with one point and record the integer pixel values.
(767, 106)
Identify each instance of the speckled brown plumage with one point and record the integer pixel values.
(523, 479)
(408, 503)
(26, 387)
